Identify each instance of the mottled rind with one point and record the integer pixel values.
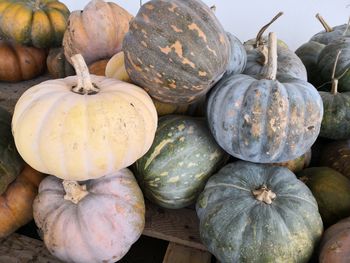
(176, 50)
(297, 164)
(183, 156)
(236, 227)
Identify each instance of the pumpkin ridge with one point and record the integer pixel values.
(19, 65)
(288, 121)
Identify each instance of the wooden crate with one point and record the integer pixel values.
(179, 227)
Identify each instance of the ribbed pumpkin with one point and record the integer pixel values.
(96, 221)
(288, 63)
(16, 203)
(238, 58)
(20, 62)
(39, 23)
(182, 157)
(265, 120)
(258, 213)
(335, 243)
(97, 32)
(176, 50)
(11, 162)
(331, 190)
(83, 127)
(297, 164)
(57, 64)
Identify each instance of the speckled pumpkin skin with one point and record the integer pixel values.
(236, 227)
(176, 50)
(238, 59)
(182, 157)
(26, 24)
(264, 121)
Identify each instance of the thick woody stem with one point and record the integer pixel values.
(258, 40)
(37, 4)
(74, 191)
(269, 71)
(264, 194)
(327, 27)
(334, 79)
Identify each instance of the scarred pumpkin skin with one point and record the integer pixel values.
(176, 50)
(335, 243)
(16, 202)
(36, 23)
(99, 227)
(20, 62)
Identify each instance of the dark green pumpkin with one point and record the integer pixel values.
(176, 50)
(331, 190)
(238, 58)
(11, 163)
(258, 213)
(182, 157)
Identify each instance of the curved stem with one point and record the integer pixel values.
(258, 39)
(269, 71)
(327, 27)
(263, 194)
(84, 85)
(74, 191)
(334, 79)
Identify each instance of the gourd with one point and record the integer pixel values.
(264, 120)
(181, 159)
(83, 127)
(38, 23)
(258, 213)
(297, 164)
(98, 67)
(176, 50)
(97, 32)
(20, 62)
(93, 221)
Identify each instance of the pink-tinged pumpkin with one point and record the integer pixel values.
(96, 221)
(97, 32)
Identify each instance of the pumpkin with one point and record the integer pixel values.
(16, 202)
(95, 221)
(258, 213)
(331, 190)
(297, 164)
(20, 62)
(264, 120)
(57, 64)
(36, 23)
(97, 32)
(176, 50)
(335, 243)
(238, 59)
(83, 127)
(288, 63)
(182, 157)
(336, 155)
(11, 163)
(98, 67)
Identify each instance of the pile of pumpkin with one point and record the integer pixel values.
(219, 100)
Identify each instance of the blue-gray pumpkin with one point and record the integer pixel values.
(238, 59)
(258, 213)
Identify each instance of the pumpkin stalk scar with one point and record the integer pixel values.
(74, 191)
(263, 194)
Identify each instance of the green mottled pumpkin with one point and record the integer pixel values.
(331, 190)
(11, 163)
(182, 157)
(176, 50)
(258, 214)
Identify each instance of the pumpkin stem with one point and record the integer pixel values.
(269, 71)
(84, 85)
(37, 4)
(258, 40)
(140, 3)
(263, 194)
(334, 79)
(347, 27)
(74, 191)
(327, 27)
(213, 8)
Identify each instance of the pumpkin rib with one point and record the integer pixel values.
(19, 65)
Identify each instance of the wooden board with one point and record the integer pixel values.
(181, 254)
(21, 249)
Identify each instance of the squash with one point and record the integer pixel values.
(57, 64)
(176, 50)
(83, 127)
(297, 164)
(331, 190)
(335, 243)
(264, 120)
(288, 63)
(11, 162)
(95, 221)
(20, 62)
(238, 59)
(182, 157)
(16, 202)
(98, 67)
(97, 32)
(38, 23)
(258, 213)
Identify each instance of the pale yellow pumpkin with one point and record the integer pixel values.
(95, 222)
(77, 130)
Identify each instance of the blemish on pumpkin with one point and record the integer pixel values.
(192, 54)
(136, 67)
(212, 51)
(190, 130)
(202, 73)
(144, 31)
(181, 127)
(151, 66)
(198, 175)
(182, 139)
(146, 18)
(201, 34)
(214, 155)
(181, 163)
(172, 85)
(222, 39)
(157, 80)
(172, 7)
(139, 60)
(191, 165)
(144, 43)
(176, 29)
(149, 6)
(310, 127)
(174, 179)
(164, 174)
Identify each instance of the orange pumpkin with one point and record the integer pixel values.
(99, 67)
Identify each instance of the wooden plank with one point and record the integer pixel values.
(21, 249)
(178, 226)
(181, 254)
